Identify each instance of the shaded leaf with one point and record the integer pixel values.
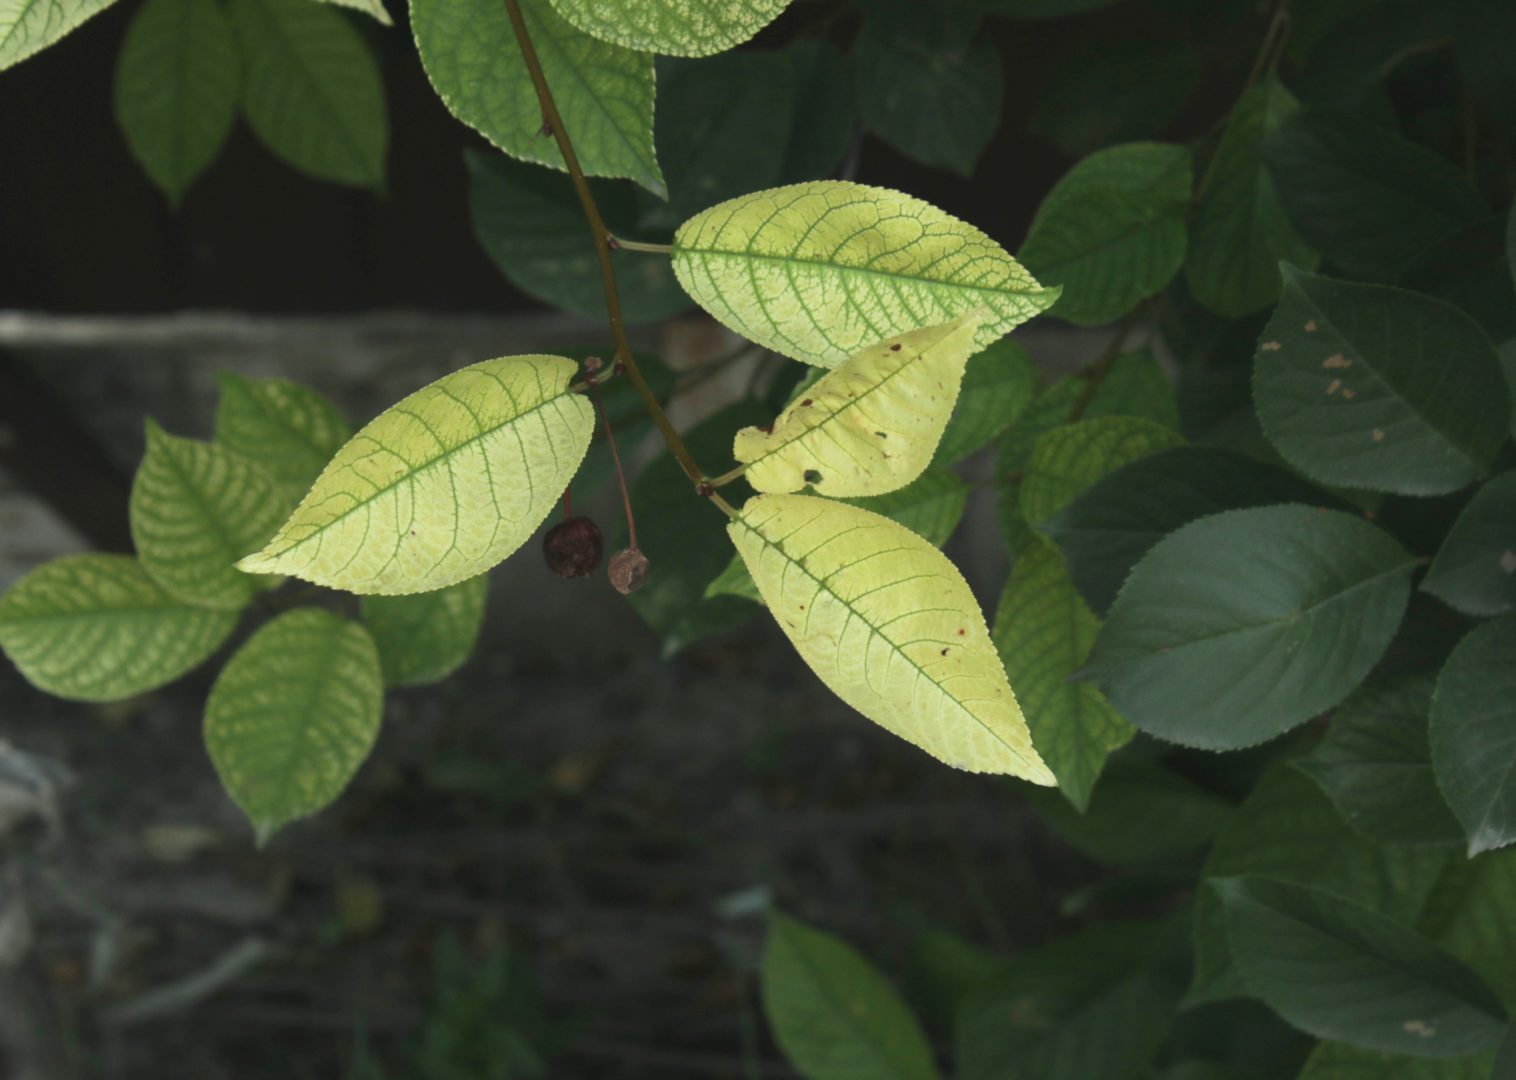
(999, 384)
(1068, 459)
(426, 637)
(290, 430)
(1474, 734)
(1475, 569)
(1339, 1061)
(1469, 914)
(825, 119)
(1123, 90)
(373, 8)
(672, 27)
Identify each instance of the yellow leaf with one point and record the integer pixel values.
(441, 486)
(870, 426)
(890, 626)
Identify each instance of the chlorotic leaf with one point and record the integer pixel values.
(1474, 734)
(29, 26)
(441, 486)
(603, 91)
(196, 508)
(1044, 632)
(288, 429)
(671, 27)
(426, 637)
(999, 384)
(293, 714)
(1112, 231)
(890, 626)
(1233, 629)
(177, 80)
(1374, 387)
(821, 270)
(311, 89)
(1068, 459)
(374, 8)
(1343, 971)
(98, 628)
(1475, 569)
(870, 425)
(834, 1016)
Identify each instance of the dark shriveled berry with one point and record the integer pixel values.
(627, 570)
(572, 548)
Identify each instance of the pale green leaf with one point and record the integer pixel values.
(368, 7)
(672, 27)
(196, 508)
(999, 384)
(819, 271)
(176, 89)
(426, 637)
(293, 714)
(97, 628)
(603, 91)
(29, 26)
(834, 1016)
(441, 486)
(311, 89)
(288, 429)
(1044, 632)
(869, 426)
(1068, 459)
(890, 626)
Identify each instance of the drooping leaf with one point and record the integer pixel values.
(1374, 387)
(1112, 231)
(29, 26)
(1475, 569)
(1086, 1005)
(999, 384)
(290, 430)
(374, 8)
(1343, 971)
(1474, 734)
(1124, 90)
(927, 82)
(293, 714)
(869, 426)
(1287, 830)
(97, 628)
(671, 27)
(1043, 632)
(311, 90)
(1339, 1061)
(426, 637)
(441, 486)
(196, 508)
(603, 91)
(818, 271)
(1105, 530)
(1241, 231)
(890, 626)
(176, 89)
(1068, 459)
(530, 224)
(1235, 629)
(834, 1016)
(1375, 764)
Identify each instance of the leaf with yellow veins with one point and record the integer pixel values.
(869, 426)
(441, 486)
(890, 626)
(820, 270)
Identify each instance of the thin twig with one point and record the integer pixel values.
(1094, 374)
(622, 243)
(610, 437)
(1269, 52)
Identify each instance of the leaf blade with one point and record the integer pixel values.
(1474, 734)
(671, 27)
(425, 637)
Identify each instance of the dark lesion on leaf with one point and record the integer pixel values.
(811, 476)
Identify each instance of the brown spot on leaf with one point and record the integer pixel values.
(881, 434)
(944, 652)
(895, 347)
(1348, 394)
(1336, 360)
(804, 403)
(1310, 327)
(1270, 346)
(1378, 435)
(961, 631)
(1333, 385)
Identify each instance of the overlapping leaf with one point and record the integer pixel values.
(671, 27)
(426, 637)
(293, 714)
(821, 270)
(441, 486)
(603, 91)
(97, 628)
(890, 626)
(1474, 734)
(1068, 459)
(29, 26)
(1339, 1061)
(288, 429)
(196, 508)
(999, 384)
(869, 426)
(374, 8)
(1475, 569)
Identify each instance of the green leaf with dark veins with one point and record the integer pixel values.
(999, 384)
(1474, 734)
(290, 430)
(425, 637)
(1068, 459)
(1475, 569)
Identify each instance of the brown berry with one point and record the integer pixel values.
(572, 548)
(627, 570)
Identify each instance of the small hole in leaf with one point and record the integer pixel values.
(812, 476)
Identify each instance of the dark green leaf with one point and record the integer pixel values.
(288, 429)
(1471, 912)
(1504, 1066)
(999, 384)
(1123, 90)
(824, 115)
(1375, 764)
(1374, 387)
(1348, 65)
(1475, 569)
(1474, 734)
(945, 970)
(1242, 625)
(1041, 9)
(1068, 459)
(1368, 198)
(1343, 971)
(1339, 1061)
(1482, 34)
(425, 637)
(1469, 268)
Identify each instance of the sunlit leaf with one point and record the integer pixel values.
(293, 714)
(441, 486)
(1475, 568)
(29, 26)
(288, 429)
(426, 637)
(1474, 734)
(890, 626)
(822, 270)
(869, 426)
(672, 27)
(97, 628)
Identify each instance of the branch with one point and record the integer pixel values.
(1094, 374)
